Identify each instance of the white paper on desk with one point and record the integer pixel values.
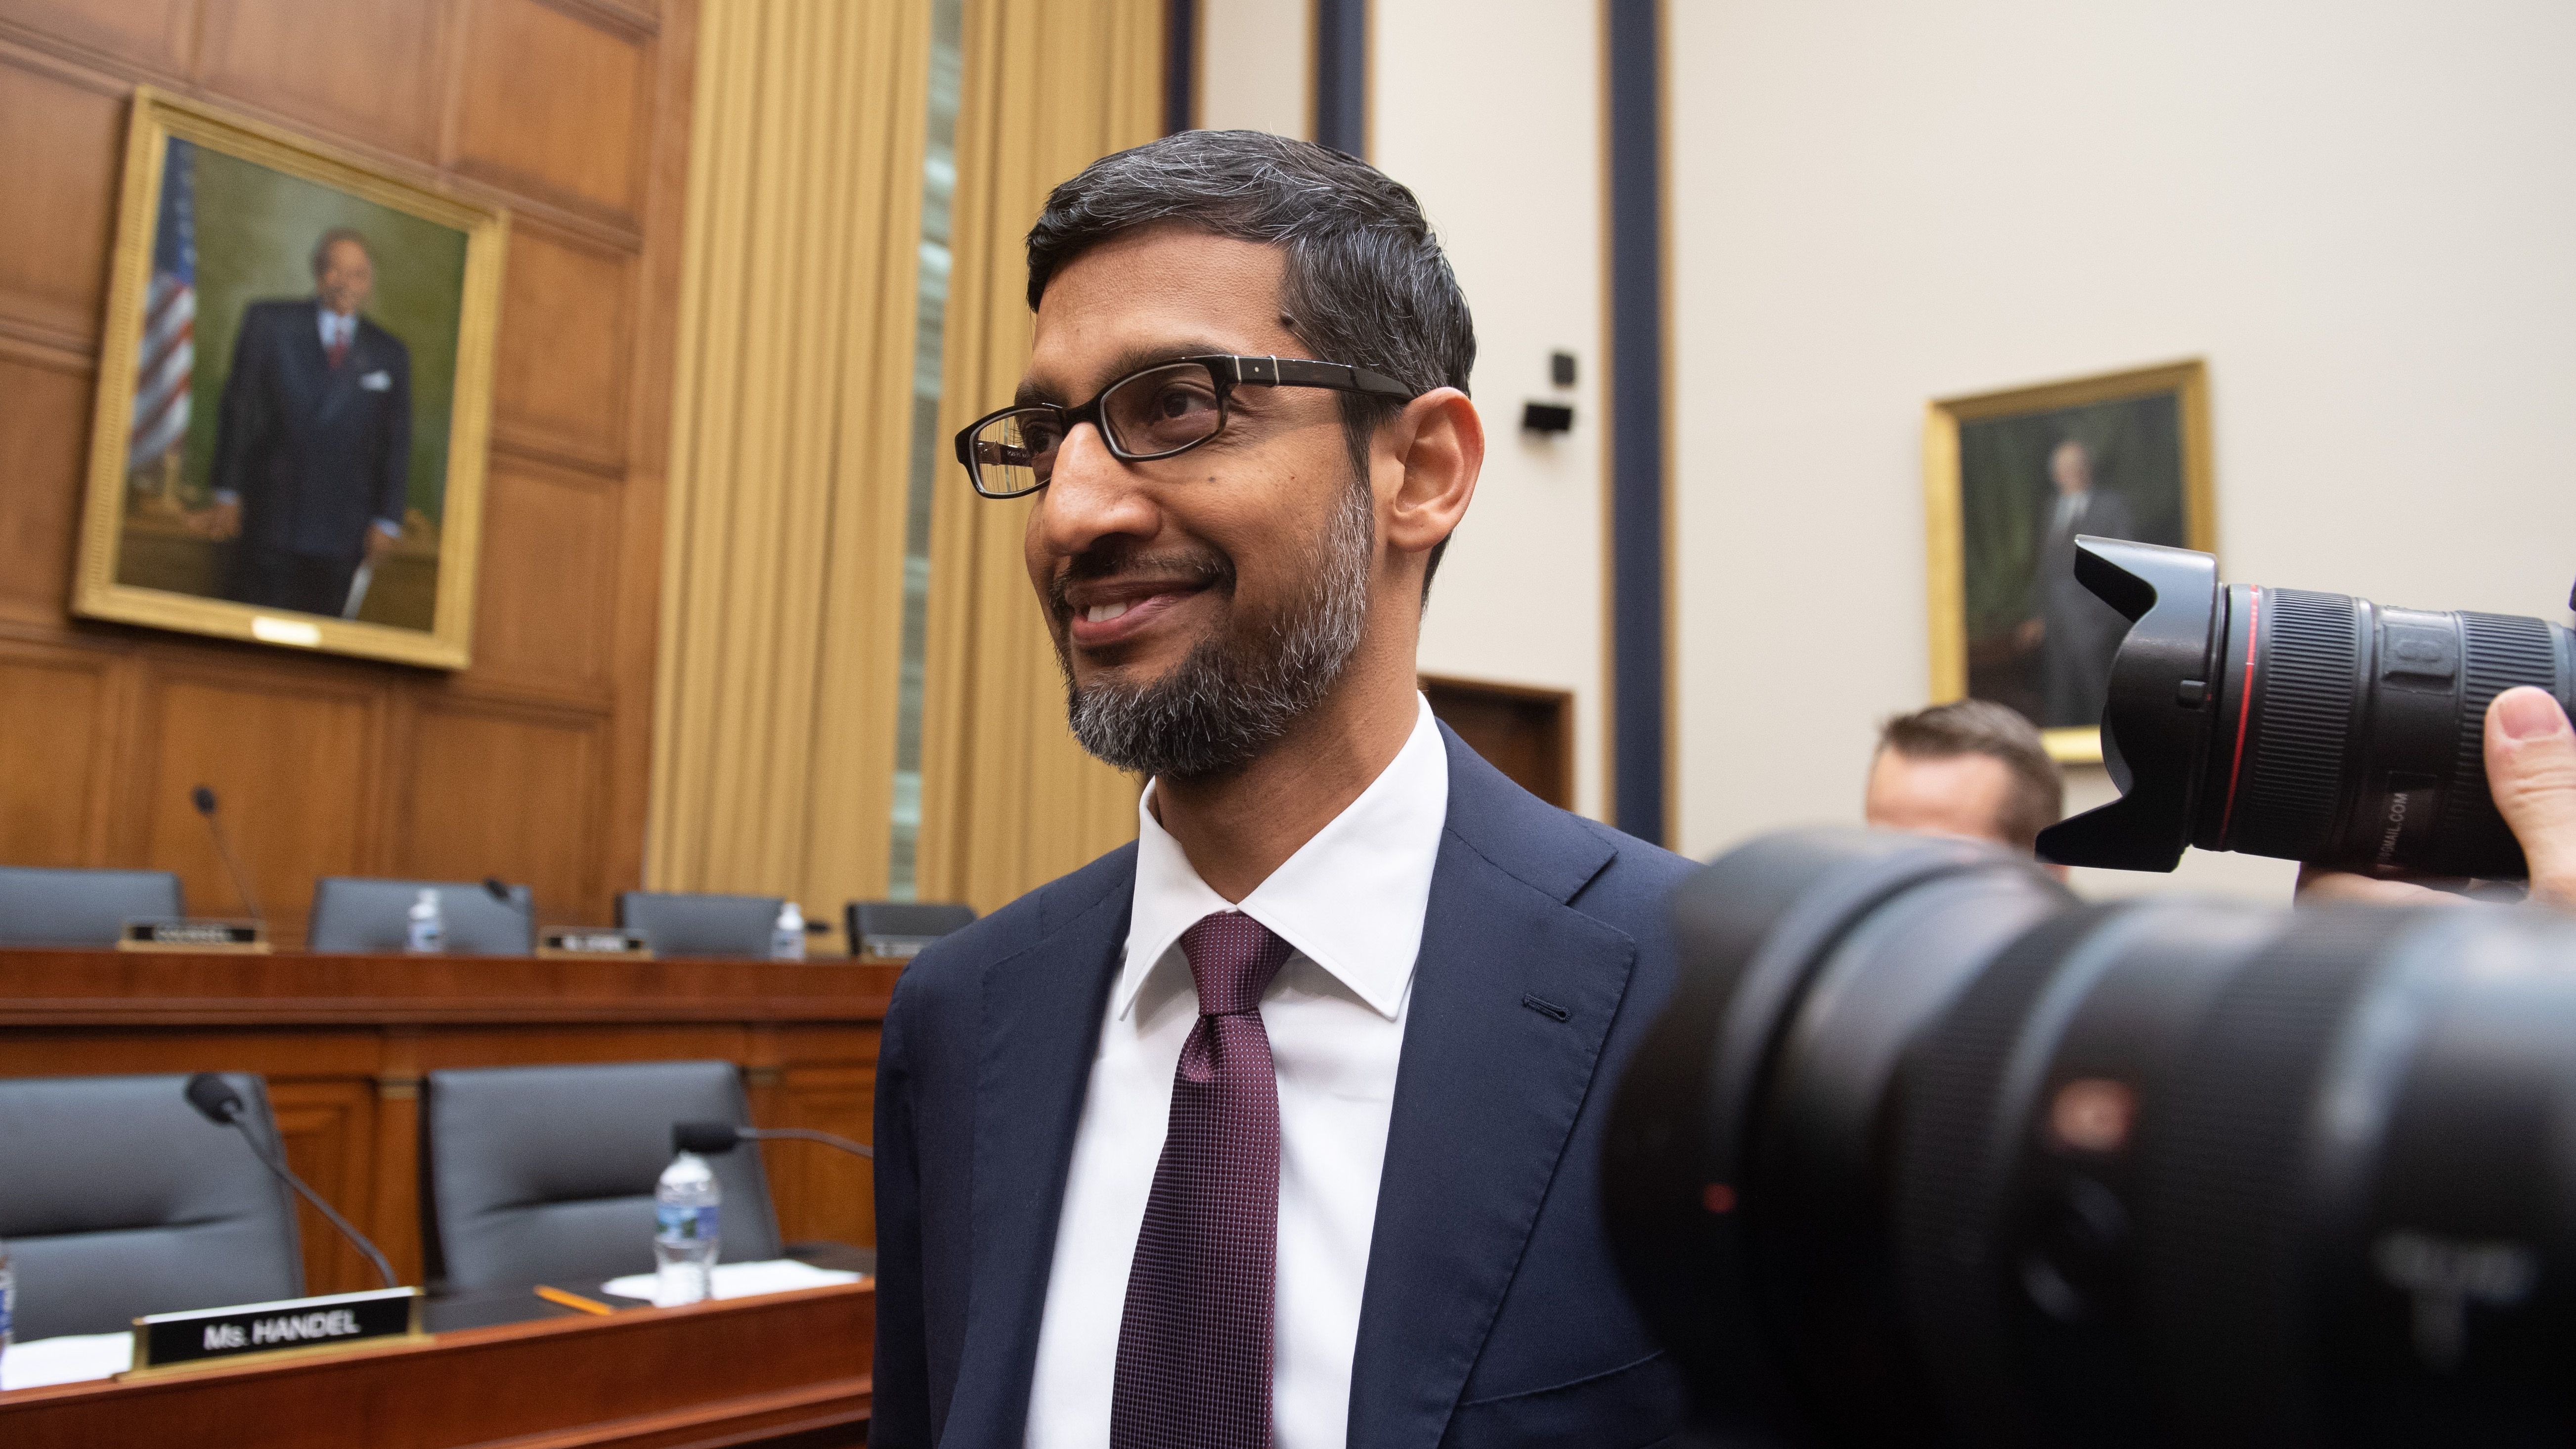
(67, 1360)
(743, 1280)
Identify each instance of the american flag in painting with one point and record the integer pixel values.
(169, 352)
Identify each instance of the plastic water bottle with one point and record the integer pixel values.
(427, 933)
(686, 1209)
(787, 938)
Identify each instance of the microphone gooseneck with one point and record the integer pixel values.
(214, 1097)
(203, 797)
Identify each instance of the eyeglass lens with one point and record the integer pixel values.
(1149, 415)
(1162, 411)
(1015, 452)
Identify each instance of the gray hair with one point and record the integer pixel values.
(1366, 282)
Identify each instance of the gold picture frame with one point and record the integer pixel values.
(2160, 415)
(254, 209)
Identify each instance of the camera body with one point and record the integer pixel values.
(2310, 726)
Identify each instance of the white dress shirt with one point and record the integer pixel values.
(1351, 902)
(338, 328)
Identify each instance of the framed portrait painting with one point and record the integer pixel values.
(2011, 479)
(293, 391)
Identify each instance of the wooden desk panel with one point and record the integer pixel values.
(793, 1366)
(344, 1040)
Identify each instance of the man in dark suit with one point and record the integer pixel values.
(2076, 633)
(1280, 1126)
(313, 447)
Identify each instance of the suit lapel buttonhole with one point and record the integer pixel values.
(1548, 1009)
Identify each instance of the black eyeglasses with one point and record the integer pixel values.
(1168, 408)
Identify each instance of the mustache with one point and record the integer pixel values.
(1197, 568)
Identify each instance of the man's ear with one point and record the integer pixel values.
(1440, 441)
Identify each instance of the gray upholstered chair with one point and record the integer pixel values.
(902, 928)
(40, 907)
(700, 925)
(546, 1174)
(353, 913)
(118, 1199)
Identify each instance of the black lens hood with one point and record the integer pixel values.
(2164, 688)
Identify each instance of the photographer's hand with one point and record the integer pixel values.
(2531, 770)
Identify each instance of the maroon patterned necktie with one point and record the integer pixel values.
(1194, 1341)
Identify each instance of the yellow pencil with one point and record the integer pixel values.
(573, 1300)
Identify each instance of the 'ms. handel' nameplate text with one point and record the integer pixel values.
(207, 1336)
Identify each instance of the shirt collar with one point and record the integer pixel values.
(1351, 899)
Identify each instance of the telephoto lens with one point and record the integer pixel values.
(1923, 1151)
(2314, 727)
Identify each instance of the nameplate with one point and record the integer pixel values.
(268, 629)
(242, 938)
(600, 941)
(894, 948)
(219, 1337)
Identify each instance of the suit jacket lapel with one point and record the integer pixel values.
(1490, 1081)
(1041, 1027)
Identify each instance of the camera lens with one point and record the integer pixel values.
(2309, 726)
(2353, 735)
(1922, 1151)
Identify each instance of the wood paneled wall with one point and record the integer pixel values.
(532, 764)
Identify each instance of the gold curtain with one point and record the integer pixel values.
(1009, 800)
(782, 597)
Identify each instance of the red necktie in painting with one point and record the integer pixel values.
(339, 349)
(1194, 1366)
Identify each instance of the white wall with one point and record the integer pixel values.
(1491, 111)
(1256, 66)
(2356, 210)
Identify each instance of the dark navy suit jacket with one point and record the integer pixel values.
(1491, 1315)
(317, 453)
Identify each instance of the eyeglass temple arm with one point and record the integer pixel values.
(1297, 371)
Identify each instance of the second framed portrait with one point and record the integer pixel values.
(292, 395)
(2011, 480)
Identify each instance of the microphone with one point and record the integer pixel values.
(709, 1139)
(215, 1098)
(203, 797)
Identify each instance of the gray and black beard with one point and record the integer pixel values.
(1233, 696)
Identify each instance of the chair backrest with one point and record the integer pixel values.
(902, 928)
(117, 1199)
(700, 925)
(354, 913)
(40, 907)
(546, 1174)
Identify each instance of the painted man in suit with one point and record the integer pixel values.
(2075, 633)
(1279, 1127)
(313, 447)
